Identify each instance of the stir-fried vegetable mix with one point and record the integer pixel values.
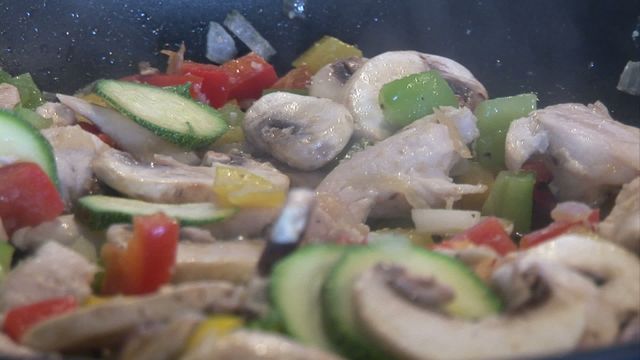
(151, 216)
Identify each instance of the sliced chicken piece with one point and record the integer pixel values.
(64, 230)
(622, 226)
(92, 327)
(254, 345)
(60, 114)
(74, 150)
(364, 86)
(160, 341)
(9, 96)
(54, 271)
(304, 132)
(131, 137)
(413, 164)
(233, 261)
(169, 181)
(330, 80)
(589, 151)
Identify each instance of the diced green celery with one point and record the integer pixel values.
(33, 118)
(511, 197)
(494, 117)
(6, 255)
(30, 95)
(326, 51)
(410, 98)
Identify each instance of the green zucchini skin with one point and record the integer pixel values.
(99, 211)
(177, 119)
(24, 142)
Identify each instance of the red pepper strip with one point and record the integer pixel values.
(249, 76)
(20, 319)
(488, 232)
(147, 261)
(27, 196)
(163, 80)
(92, 128)
(215, 81)
(558, 228)
(298, 78)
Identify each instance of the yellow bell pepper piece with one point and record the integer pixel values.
(241, 188)
(94, 99)
(93, 300)
(234, 134)
(326, 51)
(215, 326)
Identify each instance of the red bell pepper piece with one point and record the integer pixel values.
(558, 228)
(20, 319)
(163, 80)
(249, 75)
(27, 196)
(92, 128)
(215, 81)
(488, 232)
(147, 261)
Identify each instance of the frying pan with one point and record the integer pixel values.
(565, 51)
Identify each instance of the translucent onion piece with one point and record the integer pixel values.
(243, 29)
(630, 78)
(294, 8)
(220, 45)
(443, 221)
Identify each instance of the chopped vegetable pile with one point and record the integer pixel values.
(361, 208)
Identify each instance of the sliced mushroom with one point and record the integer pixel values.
(54, 271)
(615, 270)
(254, 345)
(74, 150)
(589, 152)
(556, 320)
(412, 166)
(622, 226)
(167, 180)
(160, 341)
(330, 80)
(131, 137)
(233, 261)
(364, 86)
(302, 131)
(104, 324)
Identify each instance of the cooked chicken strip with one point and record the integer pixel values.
(15, 351)
(622, 226)
(53, 272)
(9, 96)
(60, 114)
(74, 150)
(168, 181)
(413, 164)
(589, 150)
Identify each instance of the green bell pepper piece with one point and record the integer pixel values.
(408, 99)
(494, 117)
(511, 197)
(6, 255)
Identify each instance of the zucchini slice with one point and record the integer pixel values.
(23, 142)
(296, 283)
(473, 298)
(173, 117)
(99, 211)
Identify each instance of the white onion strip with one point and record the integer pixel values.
(443, 221)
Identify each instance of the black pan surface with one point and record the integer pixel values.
(565, 51)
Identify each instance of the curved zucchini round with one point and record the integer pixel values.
(23, 142)
(171, 116)
(99, 211)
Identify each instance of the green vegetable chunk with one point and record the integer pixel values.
(511, 198)
(494, 117)
(6, 255)
(408, 99)
(30, 95)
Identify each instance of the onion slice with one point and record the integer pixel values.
(630, 78)
(243, 29)
(220, 45)
(443, 221)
